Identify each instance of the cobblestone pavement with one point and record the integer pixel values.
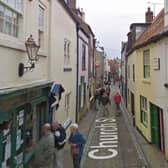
(110, 143)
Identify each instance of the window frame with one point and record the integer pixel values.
(10, 17)
(133, 72)
(68, 103)
(146, 64)
(143, 110)
(67, 45)
(83, 57)
(128, 71)
(41, 26)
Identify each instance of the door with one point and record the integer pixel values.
(155, 125)
(133, 108)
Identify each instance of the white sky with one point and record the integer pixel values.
(110, 19)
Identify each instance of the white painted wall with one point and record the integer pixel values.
(83, 40)
(12, 50)
(62, 26)
(161, 77)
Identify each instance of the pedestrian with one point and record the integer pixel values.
(108, 90)
(44, 150)
(117, 100)
(77, 142)
(60, 140)
(105, 101)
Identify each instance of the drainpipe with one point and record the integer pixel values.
(77, 73)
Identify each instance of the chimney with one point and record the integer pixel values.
(72, 4)
(82, 14)
(149, 16)
(129, 46)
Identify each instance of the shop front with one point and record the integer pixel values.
(22, 113)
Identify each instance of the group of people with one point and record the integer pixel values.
(49, 152)
(103, 99)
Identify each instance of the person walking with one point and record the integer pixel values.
(60, 140)
(105, 101)
(44, 150)
(117, 100)
(108, 90)
(77, 142)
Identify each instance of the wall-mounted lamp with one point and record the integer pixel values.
(166, 85)
(32, 50)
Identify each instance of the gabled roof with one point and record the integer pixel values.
(155, 29)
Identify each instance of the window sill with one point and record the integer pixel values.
(146, 81)
(144, 124)
(11, 42)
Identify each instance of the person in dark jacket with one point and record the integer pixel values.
(60, 140)
(105, 102)
(77, 142)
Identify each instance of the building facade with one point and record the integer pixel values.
(23, 91)
(63, 59)
(99, 65)
(149, 53)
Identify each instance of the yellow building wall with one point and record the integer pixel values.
(146, 88)
(131, 83)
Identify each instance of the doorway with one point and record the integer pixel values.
(133, 108)
(157, 127)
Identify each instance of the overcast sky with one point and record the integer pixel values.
(110, 19)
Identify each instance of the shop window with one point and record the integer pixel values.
(5, 144)
(40, 119)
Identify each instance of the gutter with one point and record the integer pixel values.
(77, 74)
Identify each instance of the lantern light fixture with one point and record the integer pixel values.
(32, 49)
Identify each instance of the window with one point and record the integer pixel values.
(143, 108)
(133, 72)
(67, 2)
(66, 52)
(128, 97)
(128, 71)
(41, 26)
(146, 64)
(83, 57)
(9, 18)
(67, 103)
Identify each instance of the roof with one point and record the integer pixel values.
(83, 25)
(155, 29)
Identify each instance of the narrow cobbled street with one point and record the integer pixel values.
(110, 144)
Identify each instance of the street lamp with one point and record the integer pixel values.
(32, 50)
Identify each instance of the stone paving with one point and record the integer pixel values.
(131, 148)
(124, 153)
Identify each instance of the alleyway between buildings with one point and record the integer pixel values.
(112, 142)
